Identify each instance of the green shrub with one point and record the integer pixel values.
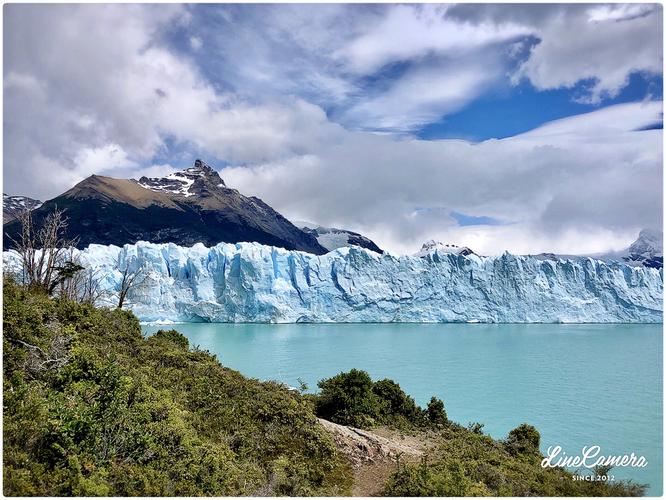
(348, 399)
(352, 398)
(465, 463)
(394, 402)
(172, 336)
(524, 439)
(436, 412)
(447, 479)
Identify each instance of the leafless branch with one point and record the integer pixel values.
(130, 280)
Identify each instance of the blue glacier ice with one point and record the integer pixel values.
(249, 282)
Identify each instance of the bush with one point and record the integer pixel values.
(465, 463)
(348, 399)
(352, 398)
(447, 479)
(172, 336)
(524, 439)
(436, 412)
(394, 402)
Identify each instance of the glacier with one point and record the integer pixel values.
(250, 282)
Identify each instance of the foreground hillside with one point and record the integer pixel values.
(93, 408)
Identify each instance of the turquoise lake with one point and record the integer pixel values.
(580, 385)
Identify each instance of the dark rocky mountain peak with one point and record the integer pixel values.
(185, 207)
(332, 238)
(199, 180)
(13, 206)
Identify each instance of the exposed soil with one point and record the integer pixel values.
(375, 455)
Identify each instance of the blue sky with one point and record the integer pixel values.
(499, 126)
(516, 109)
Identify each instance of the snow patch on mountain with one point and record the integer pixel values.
(431, 246)
(647, 250)
(332, 238)
(248, 282)
(181, 182)
(13, 206)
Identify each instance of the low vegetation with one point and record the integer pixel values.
(91, 407)
(462, 461)
(465, 462)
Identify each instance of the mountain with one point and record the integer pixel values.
(333, 238)
(13, 206)
(647, 250)
(248, 282)
(186, 207)
(431, 246)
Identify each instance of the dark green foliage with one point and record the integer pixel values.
(436, 412)
(476, 427)
(396, 403)
(93, 408)
(173, 337)
(447, 479)
(352, 398)
(524, 439)
(348, 399)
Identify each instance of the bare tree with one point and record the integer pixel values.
(53, 357)
(130, 279)
(89, 290)
(79, 283)
(44, 251)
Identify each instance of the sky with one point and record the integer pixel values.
(518, 127)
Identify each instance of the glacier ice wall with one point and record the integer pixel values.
(248, 282)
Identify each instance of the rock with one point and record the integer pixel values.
(363, 447)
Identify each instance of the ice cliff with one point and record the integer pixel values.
(248, 282)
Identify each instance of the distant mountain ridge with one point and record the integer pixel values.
(333, 238)
(13, 206)
(647, 250)
(195, 205)
(431, 246)
(186, 207)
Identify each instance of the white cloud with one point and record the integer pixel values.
(619, 12)
(72, 92)
(424, 95)
(604, 44)
(408, 32)
(562, 187)
(90, 161)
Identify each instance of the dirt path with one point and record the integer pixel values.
(373, 455)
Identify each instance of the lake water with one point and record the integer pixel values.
(580, 385)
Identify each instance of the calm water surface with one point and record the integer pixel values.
(578, 384)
